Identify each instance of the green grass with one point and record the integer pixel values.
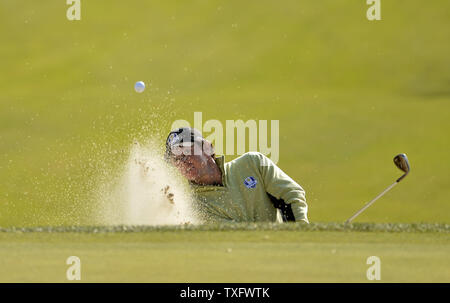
(214, 255)
(262, 226)
(349, 94)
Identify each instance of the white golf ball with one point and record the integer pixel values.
(139, 87)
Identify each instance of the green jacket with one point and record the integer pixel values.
(252, 185)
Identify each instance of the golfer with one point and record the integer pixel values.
(250, 188)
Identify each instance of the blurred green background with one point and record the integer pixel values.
(349, 93)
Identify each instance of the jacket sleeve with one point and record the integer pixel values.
(278, 184)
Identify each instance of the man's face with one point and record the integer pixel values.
(193, 162)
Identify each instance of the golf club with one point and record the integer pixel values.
(401, 161)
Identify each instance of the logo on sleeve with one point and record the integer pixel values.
(250, 182)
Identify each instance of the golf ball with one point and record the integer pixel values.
(139, 87)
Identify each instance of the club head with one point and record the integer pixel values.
(401, 161)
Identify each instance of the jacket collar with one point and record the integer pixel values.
(220, 161)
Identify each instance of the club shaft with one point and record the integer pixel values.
(370, 203)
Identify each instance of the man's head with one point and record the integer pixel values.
(187, 150)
